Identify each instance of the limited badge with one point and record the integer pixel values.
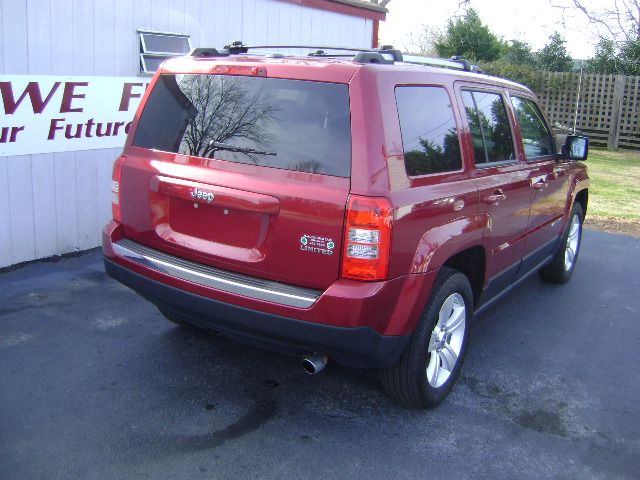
(317, 244)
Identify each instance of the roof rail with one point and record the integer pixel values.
(371, 57)
(237, 47)
(457, 63)
(320, 50)
(208, 52)
(386, 54)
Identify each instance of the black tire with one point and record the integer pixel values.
(407, 380)
(560, 269)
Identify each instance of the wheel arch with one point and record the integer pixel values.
(472, 262)
(456, 245)
(582, 197)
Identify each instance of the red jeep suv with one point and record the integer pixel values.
(360, 208)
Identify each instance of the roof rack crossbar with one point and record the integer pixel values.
(311, 47)
(322, 53)
(386, 54)
(239, 47)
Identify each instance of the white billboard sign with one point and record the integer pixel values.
(45, 114)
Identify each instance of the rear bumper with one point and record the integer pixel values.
(360, 324)
(360, 347)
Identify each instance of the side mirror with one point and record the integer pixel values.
(576, 147)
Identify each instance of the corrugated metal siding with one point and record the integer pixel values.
(57, 203)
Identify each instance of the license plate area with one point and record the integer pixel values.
(216, 223)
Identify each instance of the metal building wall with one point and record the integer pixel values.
(57, 203)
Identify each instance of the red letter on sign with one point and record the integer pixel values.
(68, 96)
(33, 90)
(128, 95)
(53, 127)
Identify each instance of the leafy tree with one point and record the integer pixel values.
(521, 64)
(605, 59)
(519, 53)
(528, 75)
(630, 57)
(611, 58)
(468, 37)
(553, 57)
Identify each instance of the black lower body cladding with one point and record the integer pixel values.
(360, 347)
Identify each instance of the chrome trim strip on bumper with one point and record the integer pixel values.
(207, 276)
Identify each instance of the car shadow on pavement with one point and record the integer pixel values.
(230, 390)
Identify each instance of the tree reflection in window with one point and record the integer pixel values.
(489, 126)
(225, 110)
(536, 138)
(280, 123)
(429, 132)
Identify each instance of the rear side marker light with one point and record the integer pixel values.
(115, 189)
(367, 238)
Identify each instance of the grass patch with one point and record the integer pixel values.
(614, 195)
(615, 184)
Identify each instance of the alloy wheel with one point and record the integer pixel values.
(446, 339)
(573, 242)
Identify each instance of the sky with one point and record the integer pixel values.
(531, 21)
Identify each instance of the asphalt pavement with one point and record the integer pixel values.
(96, 384)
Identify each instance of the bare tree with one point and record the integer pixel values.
(421, 42)
(223, 109)
(618, 21)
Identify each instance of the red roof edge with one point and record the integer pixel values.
(356, 8)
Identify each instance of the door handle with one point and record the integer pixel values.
(495, 197)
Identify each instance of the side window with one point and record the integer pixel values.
(479, 154)
(489, 125)
(536, 138)
(429, 133)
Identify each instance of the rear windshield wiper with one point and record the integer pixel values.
(234, 148)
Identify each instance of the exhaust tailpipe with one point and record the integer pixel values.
(314, 363)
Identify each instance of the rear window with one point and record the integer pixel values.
(289, 124)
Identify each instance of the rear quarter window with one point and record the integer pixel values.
(279, 123)
(429, 132)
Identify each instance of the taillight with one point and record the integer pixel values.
(115, 189)
(367, 238)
